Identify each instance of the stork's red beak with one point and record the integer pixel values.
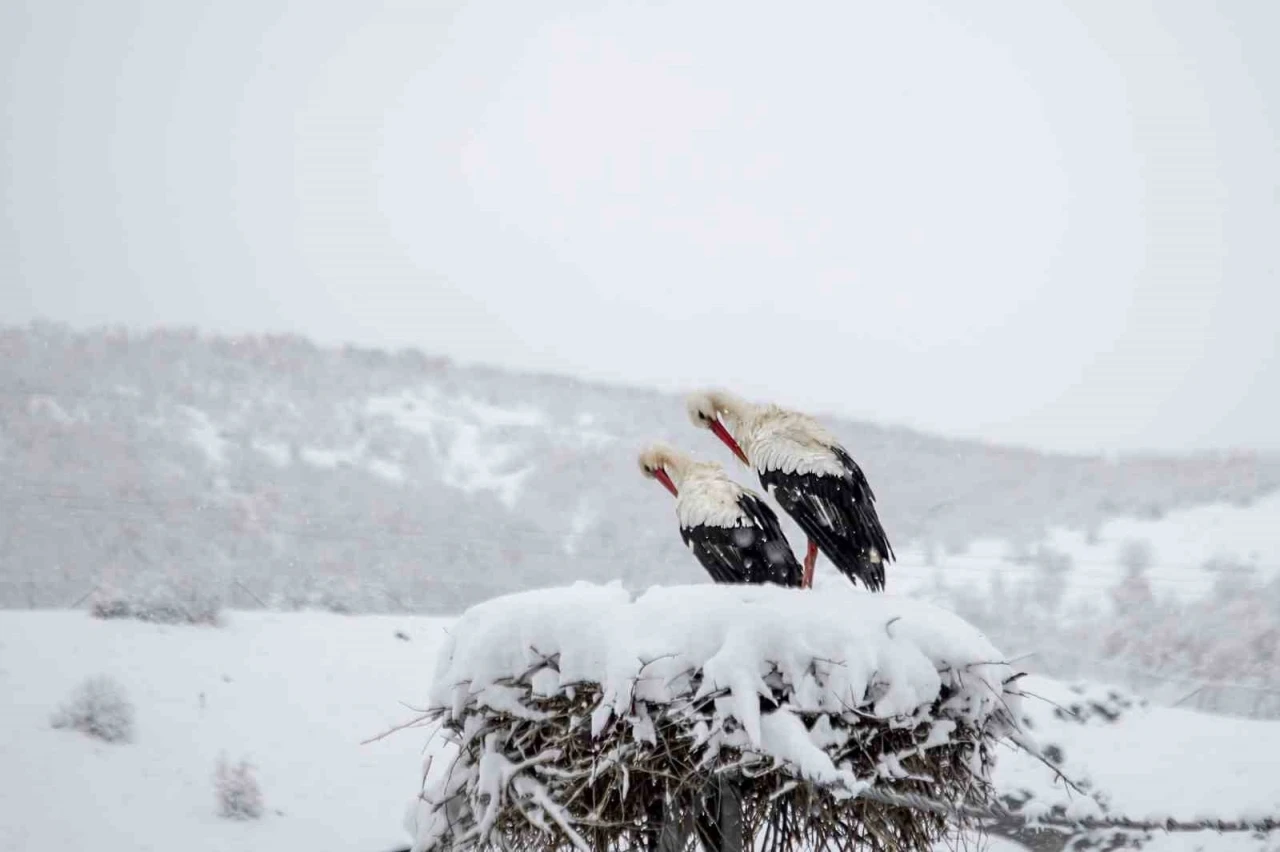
(723, 434)
(661, 476)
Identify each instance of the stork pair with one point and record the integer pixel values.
(734, 533)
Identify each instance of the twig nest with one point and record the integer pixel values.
(582, 718)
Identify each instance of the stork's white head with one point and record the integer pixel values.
(659, 462)
(712, 409)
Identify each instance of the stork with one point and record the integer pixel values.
(812, 477)
(730, 529)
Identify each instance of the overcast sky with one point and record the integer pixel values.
(1049, 223)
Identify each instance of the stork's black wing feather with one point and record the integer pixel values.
(866, 504)
(712, 547)
(780, 564)
(838, 514)
(755, 552)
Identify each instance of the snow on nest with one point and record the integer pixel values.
(886, 655)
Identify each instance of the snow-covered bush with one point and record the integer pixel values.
(160, 605)
(568, 717)
(99, 708)
(237, 791)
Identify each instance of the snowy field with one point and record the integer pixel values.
(294, 694)
(297, 693)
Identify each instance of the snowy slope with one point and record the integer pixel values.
(296, 693)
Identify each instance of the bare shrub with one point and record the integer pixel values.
(99, 708)
(237, 791)
(107, 606)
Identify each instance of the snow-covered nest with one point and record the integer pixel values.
(569, 716)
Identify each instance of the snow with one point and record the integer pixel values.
(493, 415)
(354, 456)
(276, 452)
(461, 434)
(833, 650)
(1151, 762)
(296, 693)
(330, 458)
(479, 446)
(784, 736)
(1182, 543)
(47, 405)
(475, 465)
(389, 471)
(205, 435)
(1186, 539)
(579, 523)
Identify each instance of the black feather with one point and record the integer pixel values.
(838, 514)
(755, 552)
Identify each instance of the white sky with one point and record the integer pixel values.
(1017, 221)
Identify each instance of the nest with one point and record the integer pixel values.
(544, 772)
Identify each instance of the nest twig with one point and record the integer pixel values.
(534, 776)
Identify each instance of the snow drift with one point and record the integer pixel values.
(567, 715)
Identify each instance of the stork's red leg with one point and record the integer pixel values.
(810, 559)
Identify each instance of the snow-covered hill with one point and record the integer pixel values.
(270, 470)
(1184, 608)
(297, 693)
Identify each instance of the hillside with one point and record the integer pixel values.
(296, 693)
(268, 470)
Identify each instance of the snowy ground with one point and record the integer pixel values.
(1152, 762)
(296, 693)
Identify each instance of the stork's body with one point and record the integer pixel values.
(731, 531)
(812, 477)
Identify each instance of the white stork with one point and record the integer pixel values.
(730, 529)
(812, 477)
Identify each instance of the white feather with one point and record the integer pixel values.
(706, 494)
(708, 497)
(787, 441)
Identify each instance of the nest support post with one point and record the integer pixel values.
(714, 816)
